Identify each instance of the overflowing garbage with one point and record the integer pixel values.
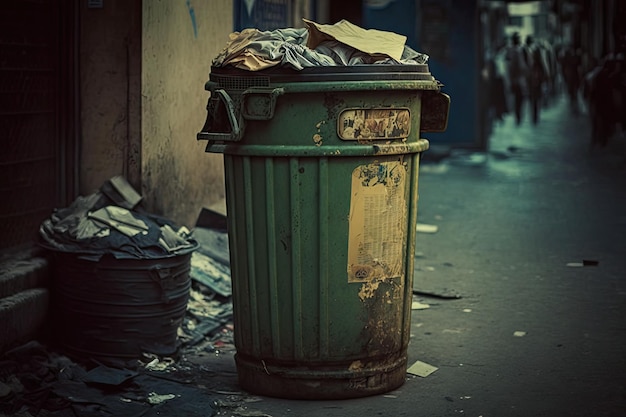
(341, 44)
(101, 223)
(132, 273)
(109, 223)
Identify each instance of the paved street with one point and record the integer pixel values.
(531, 238)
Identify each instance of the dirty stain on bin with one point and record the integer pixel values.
(320, 234)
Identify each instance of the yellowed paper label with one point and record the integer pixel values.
(377, 222)
(374, 124)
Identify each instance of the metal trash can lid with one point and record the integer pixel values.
(231, 78)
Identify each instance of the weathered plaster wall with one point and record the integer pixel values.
(180, 39)
(110, 68)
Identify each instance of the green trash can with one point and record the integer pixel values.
(321, 170)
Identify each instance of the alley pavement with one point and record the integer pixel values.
(531, 238)
(520, 291)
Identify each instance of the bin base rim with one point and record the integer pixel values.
(300, 382)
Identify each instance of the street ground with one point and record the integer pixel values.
(521, 288)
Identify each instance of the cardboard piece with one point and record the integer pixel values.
(371, 41)
(421, 369)
(121, 192)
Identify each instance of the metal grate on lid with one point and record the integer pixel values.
(236, 83)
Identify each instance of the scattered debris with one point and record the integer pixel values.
(157, 364)
(426, 228)
(39, 381)
(207, 319)
(585, 262)
(519, 333)
(213, 243)
(106, 375)
(235, 409)
(154, 398)
(416, 305)
(212, 274)
(443, 296)
(214, 217)
(421, 369)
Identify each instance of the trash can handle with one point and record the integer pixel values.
(236, 130)
(258, 103)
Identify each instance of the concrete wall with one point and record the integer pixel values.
(143, 67)
(180, 39)
(110, 68)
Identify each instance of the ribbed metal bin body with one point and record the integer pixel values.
(115, 309)
(322, 239)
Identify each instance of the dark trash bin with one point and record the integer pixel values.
(120, 280)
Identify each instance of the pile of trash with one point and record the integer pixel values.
(341, 44)
(38, 378)
(108, 222)
(207, 325)
(35, 381)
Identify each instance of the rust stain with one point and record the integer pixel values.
(368, 289)
(393, 149)
(355, 366)
(384, 306)
(317, 138)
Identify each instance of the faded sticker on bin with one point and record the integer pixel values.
(374, 124)
(377, 222)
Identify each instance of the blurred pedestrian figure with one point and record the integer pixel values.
(494, 84)
(537, 74)
(570, 68)
(549, 57)
(517, 72)
(605, 89)
(605, 92)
